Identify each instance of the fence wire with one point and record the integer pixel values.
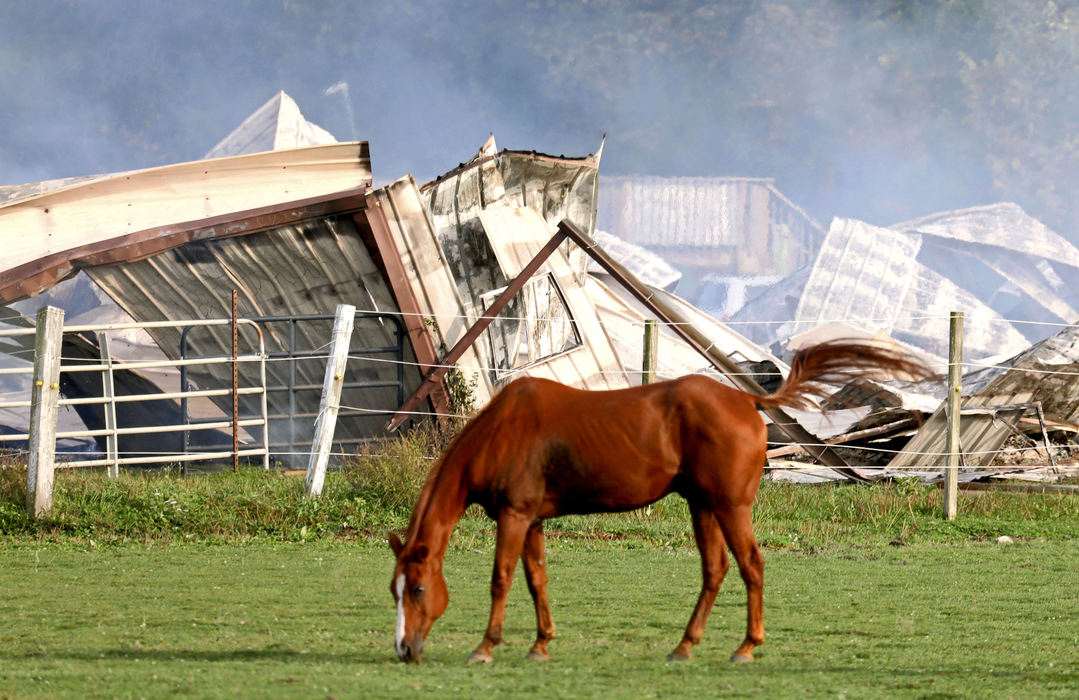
(316, 354)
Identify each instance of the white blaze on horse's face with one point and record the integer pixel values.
(419, 591)
(399, 586)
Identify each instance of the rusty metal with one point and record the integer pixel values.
(374, 221)
(435, 375)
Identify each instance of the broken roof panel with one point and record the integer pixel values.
(924, 319)
(867, 275)
(996, 397)
(861, 274)
(1047, 372)
(556, 187)
(128, 215)
(1005, 225)
(646, 265)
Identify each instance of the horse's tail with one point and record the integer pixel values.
(839, 362)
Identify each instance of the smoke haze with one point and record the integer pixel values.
(882, 111)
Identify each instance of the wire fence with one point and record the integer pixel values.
(13, 399)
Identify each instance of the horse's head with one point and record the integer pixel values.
(419, 590)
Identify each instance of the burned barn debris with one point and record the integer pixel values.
(289, 219)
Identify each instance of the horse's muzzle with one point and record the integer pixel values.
(411, 651)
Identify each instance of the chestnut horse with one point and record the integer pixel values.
(541, 449)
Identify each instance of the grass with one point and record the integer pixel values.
(315, 619)
(157, 585)
(370, 496)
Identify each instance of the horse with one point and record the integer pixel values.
(541, 449)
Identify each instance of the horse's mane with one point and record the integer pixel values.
(421, 503)
(419, 512)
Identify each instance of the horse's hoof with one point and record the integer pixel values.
(533, 656)
(676, 656)
(480, 657)
(737, 658)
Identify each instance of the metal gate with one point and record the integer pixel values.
(296, 356)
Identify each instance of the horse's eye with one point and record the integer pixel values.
(418, 590)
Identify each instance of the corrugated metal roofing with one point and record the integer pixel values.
(732, 225)
(128, 215)
(1004, 224)
(296, 270)
(861, 275)
(869, 276)
(650, 268)
(1047, 372)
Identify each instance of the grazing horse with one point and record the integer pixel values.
(541, 449)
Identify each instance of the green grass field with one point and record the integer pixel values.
(154, 585)
(316, 620)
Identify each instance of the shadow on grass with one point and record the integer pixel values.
(277, 654)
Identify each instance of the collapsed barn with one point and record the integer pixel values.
(289, 219)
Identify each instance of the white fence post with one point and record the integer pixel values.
(955, 391)
(331, 399)
(44, 406)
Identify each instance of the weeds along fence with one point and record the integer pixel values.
(45, 401)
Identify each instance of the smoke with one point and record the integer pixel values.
(878, 110)
(341, 88)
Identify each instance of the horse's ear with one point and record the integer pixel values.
(421, 552)
(395, 544)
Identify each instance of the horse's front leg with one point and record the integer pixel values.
(512, 528)
(534, 559)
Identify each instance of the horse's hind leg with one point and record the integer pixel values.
(714, 564)
(737, 524)
(536, 573)
(512, 528)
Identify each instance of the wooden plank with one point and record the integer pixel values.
(44, 407)
(651, 352)
(331, 399)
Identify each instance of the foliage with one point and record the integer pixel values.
(391, 472)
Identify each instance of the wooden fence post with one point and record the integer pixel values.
(331, 399)
(44, 406)
(955, 391)
(649, 358)
(109, 390)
